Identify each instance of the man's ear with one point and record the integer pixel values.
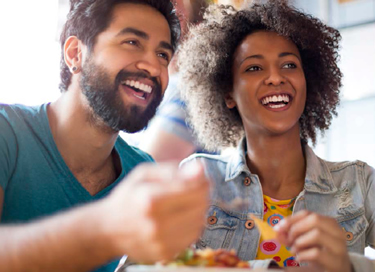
(73, 54)
(229, 101)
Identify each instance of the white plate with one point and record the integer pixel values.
(151, 268)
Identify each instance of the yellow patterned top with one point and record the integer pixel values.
(274, 211)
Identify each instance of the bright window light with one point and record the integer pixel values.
(30, 51)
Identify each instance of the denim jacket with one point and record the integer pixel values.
(342, 190)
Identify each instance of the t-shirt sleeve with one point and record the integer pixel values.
(146, 157)
(8, 151)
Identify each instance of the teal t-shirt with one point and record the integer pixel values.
(35, 179)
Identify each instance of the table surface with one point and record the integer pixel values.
(143, 268)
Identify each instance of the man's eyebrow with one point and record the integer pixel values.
(143, 35)
(166, 46)
(131, 30)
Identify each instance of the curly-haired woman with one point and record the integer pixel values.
(265, 79)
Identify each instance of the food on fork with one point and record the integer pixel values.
(209, 258)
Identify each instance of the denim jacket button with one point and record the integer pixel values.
(249, 224)
(247, 181)
(349, 236)
(212, 220)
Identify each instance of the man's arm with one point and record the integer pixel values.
(73, 241)
(1, 201)
(152, 215)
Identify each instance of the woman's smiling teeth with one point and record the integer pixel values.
(276, 101)
(139, 87)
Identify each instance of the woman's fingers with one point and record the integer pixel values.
(315, 221)
(317, 239)
(302, 222)
(322, 258)
(283, 228)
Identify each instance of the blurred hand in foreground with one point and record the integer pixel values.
(161, 208)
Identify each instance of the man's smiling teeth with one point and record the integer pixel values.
(138, 85)
(276, 99)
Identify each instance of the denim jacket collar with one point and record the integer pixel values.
(318, 177)
(237, 162)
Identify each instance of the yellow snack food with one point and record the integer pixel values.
(266, 231)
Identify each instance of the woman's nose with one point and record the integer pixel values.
(274, 78)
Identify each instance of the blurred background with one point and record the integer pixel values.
(30, 55)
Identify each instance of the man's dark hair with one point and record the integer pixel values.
(88, 18)
(206, 59)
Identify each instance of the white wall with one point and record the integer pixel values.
(358, 61)
(29, 51)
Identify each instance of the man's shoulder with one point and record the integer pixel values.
(21, 118)
(13, 112)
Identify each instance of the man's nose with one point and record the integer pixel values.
(274, 77)
(150, 64)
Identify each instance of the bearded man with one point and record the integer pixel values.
(67, 200)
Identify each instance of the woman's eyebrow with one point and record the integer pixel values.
(284, 54)
(258, 56)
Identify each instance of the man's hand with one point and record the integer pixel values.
(157, 211)
(317, 239)
(154, 213)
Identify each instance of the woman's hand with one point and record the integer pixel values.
(316, 239)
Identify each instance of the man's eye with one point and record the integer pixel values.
(253, 69)
(164, 56)
(131, 42)
(290, 66)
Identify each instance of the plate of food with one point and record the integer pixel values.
(148, 268)
(207, 260)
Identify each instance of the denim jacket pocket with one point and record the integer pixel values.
(354, 225)
(219, 231)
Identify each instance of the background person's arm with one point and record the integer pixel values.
(152, 215)
(165, 146)
(168, 136)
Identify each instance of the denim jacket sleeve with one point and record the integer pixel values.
(369, 181)
(361, 263)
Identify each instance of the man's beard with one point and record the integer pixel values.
(107, 104)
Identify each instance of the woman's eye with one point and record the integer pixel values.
(290, 66)
(253, 69)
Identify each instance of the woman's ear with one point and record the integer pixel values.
(73, 54)
(229, 101)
